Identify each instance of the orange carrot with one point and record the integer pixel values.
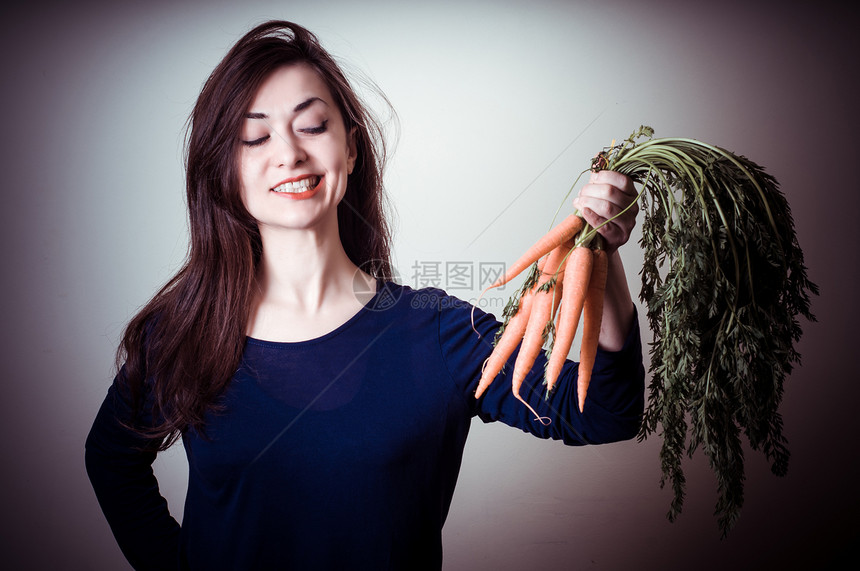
(514, 329)
(508, 341)
(540, 264)
(591, 319)
(559, 278)
(532, 344)
(560, 233)
(577, 275)
(541, 311)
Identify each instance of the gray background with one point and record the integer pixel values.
(500, 106)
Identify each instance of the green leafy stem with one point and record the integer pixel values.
(724, 283)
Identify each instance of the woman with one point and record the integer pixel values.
(322, 429)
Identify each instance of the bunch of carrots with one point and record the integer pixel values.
(724, 282)
(567, 281)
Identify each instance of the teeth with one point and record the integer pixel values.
(298, 186)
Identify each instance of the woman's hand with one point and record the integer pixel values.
(605, 195)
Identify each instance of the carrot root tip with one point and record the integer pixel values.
(545, 420)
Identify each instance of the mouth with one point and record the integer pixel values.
(300, 186)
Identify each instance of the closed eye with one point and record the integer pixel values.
(321, 128)
(256, 142)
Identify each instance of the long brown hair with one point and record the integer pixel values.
(181, 350)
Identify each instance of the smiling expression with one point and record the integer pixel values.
(295, 152)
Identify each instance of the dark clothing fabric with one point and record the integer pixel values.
(342, 452)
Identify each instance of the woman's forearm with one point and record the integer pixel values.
(618, 309)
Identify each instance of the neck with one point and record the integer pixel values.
(307, 285)
(302, 267)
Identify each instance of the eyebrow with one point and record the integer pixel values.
(307, 103)
(300, 107)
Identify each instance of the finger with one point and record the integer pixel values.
(623, 217)
(615, 179)
(614, 234)
(607, 208)
(602, 212)
(608, 192)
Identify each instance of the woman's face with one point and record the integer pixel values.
(295, 152)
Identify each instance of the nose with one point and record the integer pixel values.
(289, 150)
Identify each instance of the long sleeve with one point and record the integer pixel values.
(613, 408)
(119, 464)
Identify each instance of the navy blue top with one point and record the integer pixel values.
(342, 452)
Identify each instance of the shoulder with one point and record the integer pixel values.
(431, 313)
(428, 299)
(457, 321)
